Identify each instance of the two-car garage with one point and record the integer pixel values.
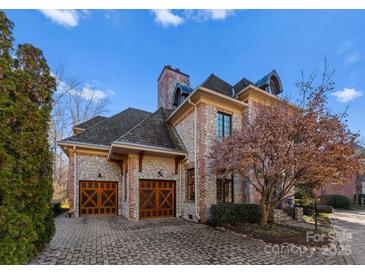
(156, 198)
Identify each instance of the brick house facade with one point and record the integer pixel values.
(144, 165)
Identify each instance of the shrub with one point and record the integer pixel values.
(222, 214)
(337, 201)
(17, 237)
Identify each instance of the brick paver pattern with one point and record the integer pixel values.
(353, 222)
(114, 240)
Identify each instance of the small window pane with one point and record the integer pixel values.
(190, 186)
(224, 190)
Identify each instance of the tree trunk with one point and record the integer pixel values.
(315, 216)
(265, 214)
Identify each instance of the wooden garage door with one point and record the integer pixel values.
(98, 198)
(156, 199)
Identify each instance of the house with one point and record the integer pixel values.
(145, 165)
(353, 188)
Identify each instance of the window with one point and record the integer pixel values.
(190, 186)
(224, 125)
(225, 190)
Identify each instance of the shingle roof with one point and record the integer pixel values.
(215, 83)
(154, 131)
(91, 122)
(241, 84)
(110, 129)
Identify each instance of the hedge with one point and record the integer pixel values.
(222, 214)
(337, 201)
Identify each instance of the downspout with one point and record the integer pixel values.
(74, 204)
(195, 160)
(180, 202)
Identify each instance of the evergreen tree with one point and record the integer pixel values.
(26, 88)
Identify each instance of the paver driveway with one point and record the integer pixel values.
(113, 240)
(352, 221)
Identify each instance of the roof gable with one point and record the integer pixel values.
(215, 83)
(154, 131)
(110, 129)
(91, 122)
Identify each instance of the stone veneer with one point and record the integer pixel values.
(88, 166)
(206, 135)
(185, 129)
(150, 167)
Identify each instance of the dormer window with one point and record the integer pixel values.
(270, 83)
(274, 87)
(180, 94)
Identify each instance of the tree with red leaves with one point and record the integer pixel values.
(285, 146)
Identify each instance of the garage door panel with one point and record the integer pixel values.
(156, 199)
(98, 198)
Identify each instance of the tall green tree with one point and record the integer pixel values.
(26, 88)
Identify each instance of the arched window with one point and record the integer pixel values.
(274, 86)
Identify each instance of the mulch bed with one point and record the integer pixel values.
(275, 234)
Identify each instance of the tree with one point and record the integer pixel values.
(285, 146)
(26, 84)
(72, 105)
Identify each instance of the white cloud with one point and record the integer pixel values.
(203, 15)
(66, 18)
(351, 58)
(167, 18)
(87, 91)
(347, 94)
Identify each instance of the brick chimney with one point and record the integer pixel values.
(166, 85)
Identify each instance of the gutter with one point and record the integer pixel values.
(195, 159)
(135, 146)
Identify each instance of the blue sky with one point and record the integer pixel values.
(120, 53)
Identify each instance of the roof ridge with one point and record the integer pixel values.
(137, 125)
(216, 76)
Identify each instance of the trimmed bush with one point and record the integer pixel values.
(337, 201)
(222, 214)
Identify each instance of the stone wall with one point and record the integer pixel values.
(185, 129)
(150, 167)
(206, 181)
(88, 167)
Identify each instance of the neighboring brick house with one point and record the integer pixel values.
(352, 189)
(151, 165)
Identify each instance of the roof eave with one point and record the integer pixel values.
(186, 101)
(134, 146)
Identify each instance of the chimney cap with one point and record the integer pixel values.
(177, 70)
